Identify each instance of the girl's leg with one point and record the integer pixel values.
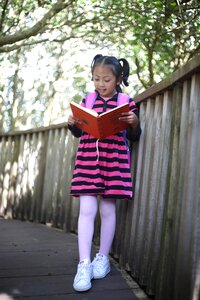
(108, 222)
(87, 214)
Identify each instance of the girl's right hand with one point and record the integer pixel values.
(72, 120)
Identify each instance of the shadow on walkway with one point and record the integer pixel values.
(39, 263)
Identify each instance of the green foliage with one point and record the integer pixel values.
(161, 35)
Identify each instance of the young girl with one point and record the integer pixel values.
(101, 169)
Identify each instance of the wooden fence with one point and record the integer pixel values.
(158, 234)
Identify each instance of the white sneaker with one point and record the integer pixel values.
(101, 266)
(84, 275)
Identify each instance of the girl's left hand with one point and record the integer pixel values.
(130, 118)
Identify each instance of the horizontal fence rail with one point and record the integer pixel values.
(158, 233)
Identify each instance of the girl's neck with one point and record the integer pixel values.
(107, 98)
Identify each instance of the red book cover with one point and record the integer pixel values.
(103, 125)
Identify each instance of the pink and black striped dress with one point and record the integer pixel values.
(102, 166)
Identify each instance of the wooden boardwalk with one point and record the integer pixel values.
(39, 263)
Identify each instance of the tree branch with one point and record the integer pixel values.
(7, 49)
(145, 85)
(35, 29)
(3, 14)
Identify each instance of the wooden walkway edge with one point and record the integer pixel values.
(39, 263)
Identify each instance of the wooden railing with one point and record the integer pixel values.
(158, 233)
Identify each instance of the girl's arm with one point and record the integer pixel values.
(132, 118)
(133, 132)
(72, 121)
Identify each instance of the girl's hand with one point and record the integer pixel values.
(130, 118)
(73, 121)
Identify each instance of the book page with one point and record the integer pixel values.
(89, 110)
(87, 117)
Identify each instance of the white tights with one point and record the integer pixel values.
(87, 214)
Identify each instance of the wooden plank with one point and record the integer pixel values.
(122, 218)
(68, 164)
(119, 295)
(6, 175)
(3, 150)
(46, 213)
(27, 188)
(138, 187)
(90, 295)
(161, 158)
(143, 208)
(166, 267)
(56, 147)
(152, 199)
(125, 247)
(59, 158)
(59, 199)
(13, 176)
(38, 155)
(55, 285)
(73, 207)
(36, 271)
(17, 207)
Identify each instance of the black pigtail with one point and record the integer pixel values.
(125, 71)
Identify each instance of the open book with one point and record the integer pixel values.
(100, 126)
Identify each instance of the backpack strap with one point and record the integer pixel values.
(90, 99)
(122, 99)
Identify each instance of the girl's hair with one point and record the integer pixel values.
(119, 67)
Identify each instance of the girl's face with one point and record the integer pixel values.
(105, 81)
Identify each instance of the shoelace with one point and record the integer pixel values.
(100, 262)
(83, 272)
